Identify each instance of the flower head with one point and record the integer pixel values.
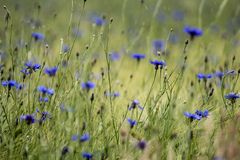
(142, 144)
(202, 113)
(28, 118)
(158, 46)
(193, 31)
(30, 67)
(51, 71)
(131, 122)
(219, 74)
(65, 48)
(85, 137)
(138, 56)
(135, 104)
(87, 155)
(232, 97)
(158, 64)
(88, 85)
(99, 21)
(45, 90)
(204, 76)
(38, 36)
(192, 116)
(10, 83)
(114, 56)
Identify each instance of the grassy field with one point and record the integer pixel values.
(120, 79)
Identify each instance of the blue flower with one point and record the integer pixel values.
(65, 150)
(99, 21)
(30, 67)
(193, 31)
(114, 94)
(74, 137)
(88, 85)
(87, 155)
(192, 116)
(65, 48)
(219, 74)
(135, 103)
(28, 118)
(44, 116)
(142, 144)
(114, 56)
(232, 96)
(10, 83)
(158, 46)
(37, 36)
(204, 76)
(138, 56)
(45, 90)
(202, 113)
(85, 137)
(158, 63)
(43, 99)
(178, 15)
(51, 71)
(131, 122)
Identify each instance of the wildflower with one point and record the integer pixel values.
(193, 32)
(45, 90)
(202, 113)
(19, 86)
(219, 74)
(43, 99)
(204, 76)
(138, 56)
(30, 67)
(232, 96)
(44, 116)
(135, 103)
(51, 71)
(158, 46)
(74, 137)
(88, 85)
(158, 63)
(65, 48)
(178, 15)
(131, 122)
(87, 155)
(10, 83)
(99, 21)
(85, 137)
(192, 116)
(37, 36)
(142, 144)
(114, 94)
(114, 56)
(29, 118)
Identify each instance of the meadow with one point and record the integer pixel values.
(120, 79)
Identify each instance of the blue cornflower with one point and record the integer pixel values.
(138, 56)
(192, 116)
(74, 137)
(114, 56)
(88, 85)
(28, 118)
(135, 103)
(193, 31)
(51, 71)
(30, 67)
(158, 63)
(232, 96)
(158, 46)
(19, 86)
(114, 94)
(99, 21)
(131, 122)
(202, 113)
(219, 74)
(85, 137)
(37, 36)
(45, 90)
(43, 99)
(10, 83)
(142, 144)
(65, 48)
(178, 15)
(44, 116)
(204, 76)
(87, 155)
